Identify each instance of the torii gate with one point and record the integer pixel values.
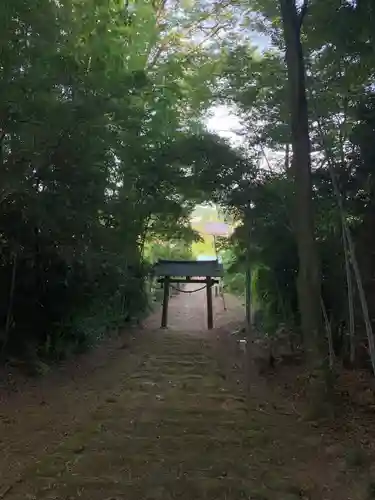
(188, 271)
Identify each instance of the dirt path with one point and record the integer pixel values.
(164, 418)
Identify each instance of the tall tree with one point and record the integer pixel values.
(309, 285)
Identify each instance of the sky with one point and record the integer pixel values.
(224, 123)
(222, 119)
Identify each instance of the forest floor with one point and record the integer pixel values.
(162, 415)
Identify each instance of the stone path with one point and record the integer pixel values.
(163, 418)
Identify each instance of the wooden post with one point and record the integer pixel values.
(164, 318)
(248, 274)
(249, 333)
(248, 296)
(209, 303)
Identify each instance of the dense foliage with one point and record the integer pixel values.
(340, 67)
(104, 155)
(93, 97)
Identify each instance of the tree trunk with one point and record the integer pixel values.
(309, 286)
(350, 249)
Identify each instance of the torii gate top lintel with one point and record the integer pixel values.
(188, 268)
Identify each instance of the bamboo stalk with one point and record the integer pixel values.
(329, 335)
(351, 252)
(350, 293)
(10, 304)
